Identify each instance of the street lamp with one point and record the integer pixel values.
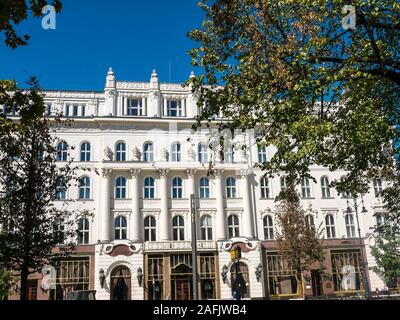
(224, 273)
(102, 278)
(140, 276)
(363, 263)
(236, 254)
(258, 272)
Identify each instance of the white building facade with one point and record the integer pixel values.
(146, 161)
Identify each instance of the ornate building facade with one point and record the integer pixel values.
(147, 161)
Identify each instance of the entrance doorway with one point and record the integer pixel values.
(316, 283)
(181, 282)
(120, 283)
(240, 279)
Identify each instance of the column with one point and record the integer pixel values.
(137, 220)
(220, 218)
(105, 214)
(144, 110)
(247, 222)
(125, 106)
(191, 187)
(165, 221)
(165, 105)
(119, 105)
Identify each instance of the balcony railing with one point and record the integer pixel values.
(158, 246)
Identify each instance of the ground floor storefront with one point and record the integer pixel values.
(164, 271)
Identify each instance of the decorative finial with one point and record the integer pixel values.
(110, 71)
(192, 75)
(154, 73)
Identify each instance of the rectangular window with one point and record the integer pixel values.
(281, 276)
(155, 277)
(346, 270)
(135, 107)
(75, 111)
(174, 108)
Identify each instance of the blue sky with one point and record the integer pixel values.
(131, 36)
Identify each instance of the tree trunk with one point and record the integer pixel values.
(24, 283)
(300, 284)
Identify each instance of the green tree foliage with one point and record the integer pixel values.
(7, 280)
(386, 252)
(386, 249)
(14, 12)
(30, 178)
(319, 93)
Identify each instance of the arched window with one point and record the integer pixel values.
(228, 155)
(120, 190)
(268, 228)
(231, 187)
(176, 152)
(262, 154)
(204, 188)
(325, 188)
(177, 188)
(84, 188)
(206, 227)
(59, 230)
(83, 231)
(377, 186)
(305, 188)
(150, 228)
(347, 194)
(379, 219)
(330, 226)
(350, 228)
(85, 151)
(283, 183)
(203, 153)
(233, 226)
(178, 228)
(149, 188)
(120, 151)
(61, 189)
(62, 151)
(148, 152)
(120, 227)
(264, 184)
(310, 220)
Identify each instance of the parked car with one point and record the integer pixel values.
(82, 295)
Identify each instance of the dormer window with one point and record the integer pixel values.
(174, 108)
(135, 107)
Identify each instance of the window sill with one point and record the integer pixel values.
(84, 200)
(269, 198)
(327, 198)
(308, 198)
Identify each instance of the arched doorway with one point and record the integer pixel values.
(120, 283)
(181, 282)
(240, 279)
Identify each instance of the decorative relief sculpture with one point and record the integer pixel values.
(164, 154)
(136, 154)
(108, 153)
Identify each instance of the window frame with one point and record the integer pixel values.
(178, 228)
(120, 155)
(121, 191)
(121, 229)
(230, 190)
(177, 190)
(233, 226)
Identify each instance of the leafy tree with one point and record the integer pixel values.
(13, 12)
(298, 242)
(320, 93)
(7, 280)
(31, 179)
(386, 251)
